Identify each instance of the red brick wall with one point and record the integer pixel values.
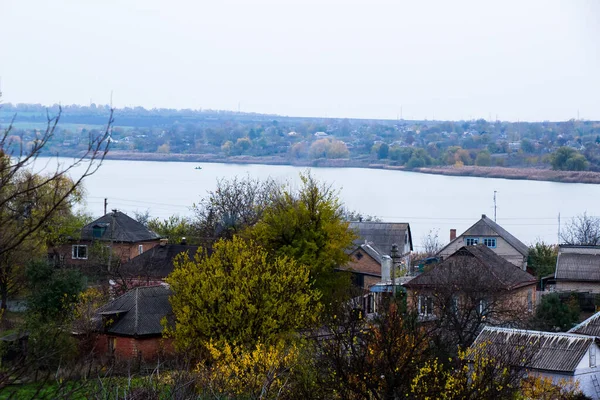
(364, 264)
(128, 348)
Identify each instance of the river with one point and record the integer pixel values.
(527, 209)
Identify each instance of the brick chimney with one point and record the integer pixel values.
(452, 234)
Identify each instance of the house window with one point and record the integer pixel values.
(592, 355)
(454, 304)
(530, 300)
(370, 304)
(98, 231)
(490, 242)
(79, 252)
(425, 305)
(140, 249)
(471, 241)
(359, 255)
(112, 344)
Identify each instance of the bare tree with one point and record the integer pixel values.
(583, 230)
(29, 199)
(232, 206)
(431, 243)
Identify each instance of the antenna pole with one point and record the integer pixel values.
(105, 205)
(495, 206)
(559, 228)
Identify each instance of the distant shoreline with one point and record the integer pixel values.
(472, 171)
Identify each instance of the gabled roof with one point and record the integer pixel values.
(369, 248)
(488, 227)
(589, 327)
(548, 351)
(577, 267)
(118, 227)
(382, 235)
(479, 261)
(137, 313)
(156, 262)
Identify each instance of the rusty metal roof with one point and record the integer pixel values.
(548, 351)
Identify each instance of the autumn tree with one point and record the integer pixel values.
(174, 228)
(542, 258)
(307, 225)
(239, 294)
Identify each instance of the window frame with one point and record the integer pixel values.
(75, 253)
(490, 239)
(140, 249)
(425, 305)
(471, 241)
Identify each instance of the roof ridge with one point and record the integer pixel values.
(534, 332)
(585, 323)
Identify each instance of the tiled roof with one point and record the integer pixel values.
(382, 235)
(156, 262)
(548, 351)
(137, 313)
(125, 229)
(589, 327)
(578, 267)
(474, 261)
(488, 227)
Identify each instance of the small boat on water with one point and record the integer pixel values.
(198, 167)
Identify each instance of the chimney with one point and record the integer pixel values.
(386, 268)
(183, 241)
(483, 216)
(452, 234)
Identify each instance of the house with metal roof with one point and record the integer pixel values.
(130, 327)
(374, 241)
(124, 236)
(578, 269)
(156, 263)
(487, 232)
(555, 355)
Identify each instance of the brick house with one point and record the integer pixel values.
(116, 232)
(130, 327)
(487, 232)
(375, 241)
(473, 280)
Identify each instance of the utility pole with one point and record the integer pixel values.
(105, 205)
(495, 206)
(558, 228)
(112, 231)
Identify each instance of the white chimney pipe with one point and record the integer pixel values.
(386, 268)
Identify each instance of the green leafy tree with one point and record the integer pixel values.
(383, 151)
(568, 159)
(554, 314)
(239, 294)
(483, 159)
(542, 258)
(174, 228)
(308, 226)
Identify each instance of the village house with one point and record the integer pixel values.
(374, 241)
(116, 232)
(130, 327)
(154, 265)
(487, 232)
(561, 357)
(578, 269)
(476, 280)
(590, 326)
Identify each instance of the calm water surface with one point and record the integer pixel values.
(527, 209)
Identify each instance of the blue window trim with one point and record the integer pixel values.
(481, 240)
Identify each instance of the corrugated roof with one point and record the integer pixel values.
(156, 262)
(589, 327)
(548, 351)
(138, 312)
(578, 267)
(125, 229)
(488, 227)
(382, 235)
(474, 261)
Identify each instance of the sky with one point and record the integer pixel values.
(447, 60)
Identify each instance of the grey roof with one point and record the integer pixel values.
(548, 351)
(371, 251)
(381, 235)
(137, 313)
(474, 261)
(488, 227)
(578, 267)
(589, 327)
(156, 262)
(125, 229)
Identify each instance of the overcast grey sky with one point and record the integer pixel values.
(518, 60)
